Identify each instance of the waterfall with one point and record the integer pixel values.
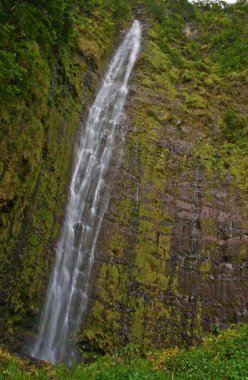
(68, 291)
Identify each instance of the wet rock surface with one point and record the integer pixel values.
(172, 255)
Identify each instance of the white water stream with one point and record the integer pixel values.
(68, 291)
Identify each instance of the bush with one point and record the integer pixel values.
(235, 127)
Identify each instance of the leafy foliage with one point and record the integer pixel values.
(236, 125)
(226, 30)
(221, 357)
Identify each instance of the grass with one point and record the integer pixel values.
(221, 356)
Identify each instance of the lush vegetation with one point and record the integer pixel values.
(221, 357)
(213, 50)
(193, 78)
(190, 116)
(51, 56)
(38, 34)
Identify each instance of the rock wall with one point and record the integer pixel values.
(172, 256)
(37, 148)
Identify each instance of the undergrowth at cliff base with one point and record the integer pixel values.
(221, 357)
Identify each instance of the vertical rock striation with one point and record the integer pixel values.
(68, 292)
(172, 253)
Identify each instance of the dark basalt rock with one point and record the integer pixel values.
(174, 246)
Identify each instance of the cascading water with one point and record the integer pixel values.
(88, 198)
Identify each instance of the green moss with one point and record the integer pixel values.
(205, 267)
(39, 128)
(189, 134)
(178, 161)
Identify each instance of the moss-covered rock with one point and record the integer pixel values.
(37, 139)
(173, 250)
(172, 253)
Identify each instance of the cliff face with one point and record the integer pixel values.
(173, 251)
(38, 133)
